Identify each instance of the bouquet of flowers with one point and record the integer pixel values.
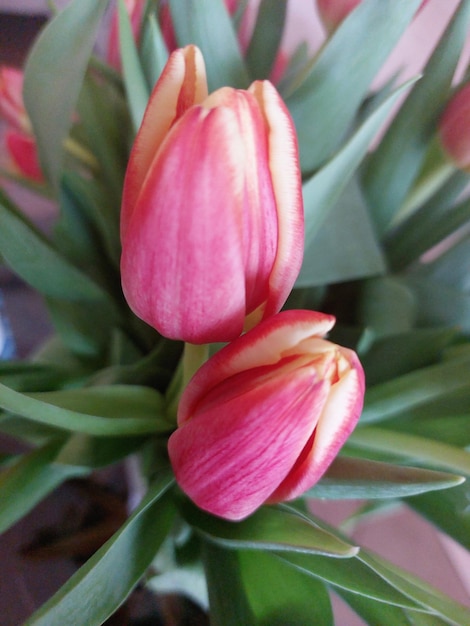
(205, 179)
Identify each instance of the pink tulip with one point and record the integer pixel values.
(23, 153)
(454, 129)
(262, 420)
(19, 141)
(135, 10)
(212, 216)
(333, 12)
(11, 98)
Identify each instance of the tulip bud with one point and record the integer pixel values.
(261, 420)
(212, 216)
(454, 129)
(333, 12)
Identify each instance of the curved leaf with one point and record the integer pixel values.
(57, 65)
(115, 410)
(350, 478)
(105, 581)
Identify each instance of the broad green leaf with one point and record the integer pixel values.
(322, 191)
(350, 478)
(100, 411)
(154, 53)
(386, 306)
(417, 449)
(451, 267)
(448, 428)
(392, 168)
(108, 577)
(207, 24)
(84, 451)
(57, 65)
(279, 594)
(347, 230)
(325, 103)
(228, 602)
(450, 511)
(417, 388)
(258, 589)
(265, 41)
(270, 528)
(390, 357)
(34, 258)
(134, 79)
(30, 480)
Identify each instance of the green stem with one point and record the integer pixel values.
(192, 359)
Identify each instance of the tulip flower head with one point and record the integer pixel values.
(261, 421)
(212, 215)
(454, 129)
(19, 140)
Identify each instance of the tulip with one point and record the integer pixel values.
(261, 420)
(11, 98)
(333, 12)
(135, 10)
(19, 140)
(454, 129)
(23, 153)
(212, 217)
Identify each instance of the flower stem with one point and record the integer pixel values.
(193, 357)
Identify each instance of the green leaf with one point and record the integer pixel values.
(392, 356)
(430, 598)
(154, 53)
(418, 449)
(27, 376)
(386, 306)
(30, 480)
(350, 574)
(270, 528)
(134, 78)
(350, 478)
(34, 258)
(57, 65)
(266, 39)
(228, 602)
(84, 451)
(101, 411)
(105, 581)
(207, 24)
(417, 388)
(450, 512)
(279, 594)
(325, 103)
(348, 231)
(430, 224)
(322, 191)
(390, 171)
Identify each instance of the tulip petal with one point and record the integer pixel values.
(263, 345)
(182, 84)
(339, 417)
(24, 154)
(286, 179)
(192, 193)
(228, 461)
